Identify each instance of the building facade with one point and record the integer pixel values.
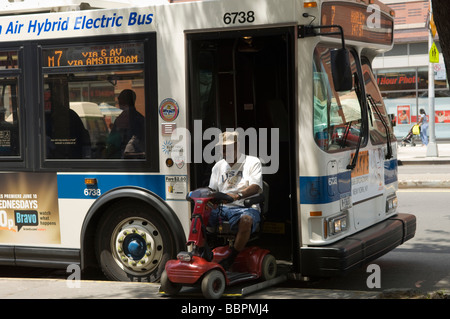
(402, 73)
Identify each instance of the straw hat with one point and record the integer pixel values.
(228, 138)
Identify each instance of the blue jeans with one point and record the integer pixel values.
(424, 134)
(232, 214)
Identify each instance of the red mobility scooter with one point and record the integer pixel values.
(199, 266)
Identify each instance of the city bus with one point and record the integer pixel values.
(294, 77)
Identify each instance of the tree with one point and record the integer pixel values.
(441, 8)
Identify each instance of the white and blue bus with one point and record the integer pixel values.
(107, 115)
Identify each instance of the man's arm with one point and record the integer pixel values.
(213, 178)
(247, 192)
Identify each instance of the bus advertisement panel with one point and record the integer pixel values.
(29, 209)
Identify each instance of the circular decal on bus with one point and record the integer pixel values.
(168, 110)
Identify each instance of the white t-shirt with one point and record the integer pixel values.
(226, 179)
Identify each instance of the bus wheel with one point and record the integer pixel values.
(133, 243)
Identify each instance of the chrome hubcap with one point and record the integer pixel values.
(137, 245)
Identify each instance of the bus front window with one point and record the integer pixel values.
(337, 115)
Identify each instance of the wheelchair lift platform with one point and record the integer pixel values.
(242, 290)
(236, 290)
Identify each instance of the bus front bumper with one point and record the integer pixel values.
(358, 249)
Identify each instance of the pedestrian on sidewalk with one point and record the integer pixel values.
(423, 122)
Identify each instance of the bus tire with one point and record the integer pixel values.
(133, 242)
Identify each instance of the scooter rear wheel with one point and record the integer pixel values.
(268, 267)
(213, 284)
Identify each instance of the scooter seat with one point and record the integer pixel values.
(224, 230)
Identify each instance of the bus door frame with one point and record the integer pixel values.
(290, 31)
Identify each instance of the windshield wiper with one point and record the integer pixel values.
(358, 146)
(374, 105)
(358, 91)
(346, 132)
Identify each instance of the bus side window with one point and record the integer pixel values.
(96, 108)
(9, 122)
(92, 119)
(376, 128)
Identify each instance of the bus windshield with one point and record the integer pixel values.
(337, 115)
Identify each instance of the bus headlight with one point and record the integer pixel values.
(391, 204)
(337, 224)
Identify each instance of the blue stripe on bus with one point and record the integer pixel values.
(313, 189)
(327, 189)
(324, 189)
(73, 186)
(390, 171)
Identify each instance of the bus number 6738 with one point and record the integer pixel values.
(239, 17)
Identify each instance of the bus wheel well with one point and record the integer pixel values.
(150, 208)
(89, 262)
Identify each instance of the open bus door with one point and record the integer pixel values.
(245, 79)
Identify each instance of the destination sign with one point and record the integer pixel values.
(360, 23)
(108, 54)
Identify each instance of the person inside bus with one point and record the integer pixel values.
(127, 136)
(239, 176)
(67, 138)
(9, 135)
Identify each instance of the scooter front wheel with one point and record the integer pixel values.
(169, 287)
(213, 284)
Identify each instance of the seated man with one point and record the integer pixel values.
(239, 176)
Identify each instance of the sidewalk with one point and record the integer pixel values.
(435, 175)
(418, 154)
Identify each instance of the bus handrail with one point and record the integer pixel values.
(308, 31)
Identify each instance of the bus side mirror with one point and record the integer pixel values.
(341, 70)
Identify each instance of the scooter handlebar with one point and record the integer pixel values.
(216, 197)
(222, 198)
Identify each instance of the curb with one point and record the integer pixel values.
(423, 162)
(424, 184)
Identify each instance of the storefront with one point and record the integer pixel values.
(405, 92)
(402, 73)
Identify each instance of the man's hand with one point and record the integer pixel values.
(234, 196)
